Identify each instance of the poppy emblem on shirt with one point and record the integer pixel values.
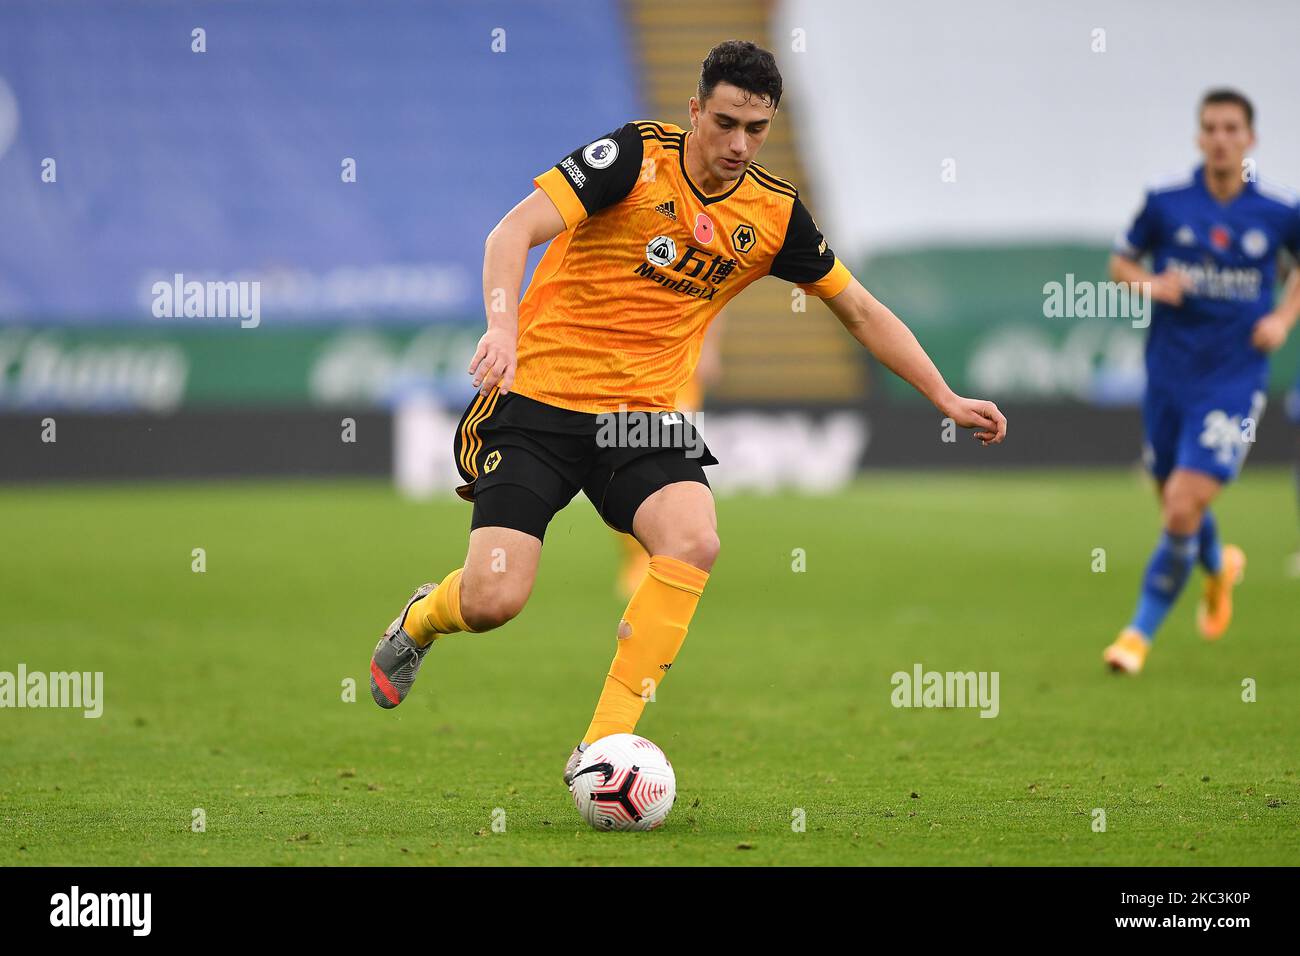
(1220, 238)
(703, 229)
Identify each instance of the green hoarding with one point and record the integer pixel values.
(985, 317)
(161, 368)
(982, 313)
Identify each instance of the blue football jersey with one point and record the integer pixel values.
(1229, 251)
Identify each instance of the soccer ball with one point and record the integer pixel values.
(624, 782)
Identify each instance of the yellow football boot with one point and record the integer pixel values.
(1128, 653)
(1214, 612)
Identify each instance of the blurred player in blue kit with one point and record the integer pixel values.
(1213, 236)
(1293, 412)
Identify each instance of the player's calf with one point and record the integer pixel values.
(678, 527)
(499, 573)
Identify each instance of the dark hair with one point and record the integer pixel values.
(1229, 96)
(742, 64)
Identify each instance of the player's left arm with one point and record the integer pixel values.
(805, 259)
(1270, 332)
(894, 345)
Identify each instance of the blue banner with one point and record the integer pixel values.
(342, 160)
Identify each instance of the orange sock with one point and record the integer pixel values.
(635, 562)
(649, 637)
(437, 613)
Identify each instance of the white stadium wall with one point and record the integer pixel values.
(1049, 139)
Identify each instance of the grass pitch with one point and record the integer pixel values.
(224, 689)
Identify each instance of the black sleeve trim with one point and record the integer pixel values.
(804, 256)
(600, 180)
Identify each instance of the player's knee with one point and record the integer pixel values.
(1182, 512)
(491, 612)
(698, 547)
(486, 608)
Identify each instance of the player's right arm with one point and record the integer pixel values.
(591, 178)
(534, 221)
(1125, 259)
(1166, 287)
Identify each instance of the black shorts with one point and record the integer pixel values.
(523, 460)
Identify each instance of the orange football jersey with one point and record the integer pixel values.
(617, 309)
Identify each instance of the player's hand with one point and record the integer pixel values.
(494, 362)
(979, 414)
(1270, 332)
(1169, 286)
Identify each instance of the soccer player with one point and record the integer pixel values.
(654, 229)
(1293, 413)
(1213, 236)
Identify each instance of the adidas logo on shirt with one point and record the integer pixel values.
(667, 209)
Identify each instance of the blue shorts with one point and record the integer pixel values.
(1210, 432)
(1293, 403)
